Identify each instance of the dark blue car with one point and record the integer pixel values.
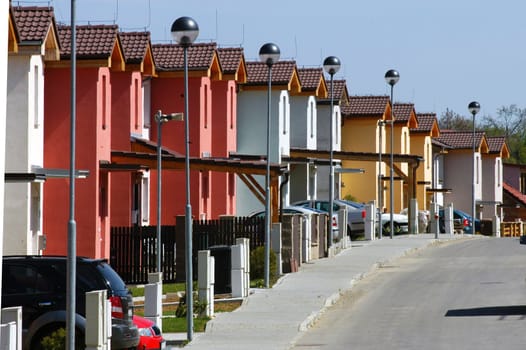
(461, 222)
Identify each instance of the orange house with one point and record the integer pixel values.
(99, 53)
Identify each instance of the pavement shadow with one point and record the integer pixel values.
(512, 310)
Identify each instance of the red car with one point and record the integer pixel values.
(150, 334)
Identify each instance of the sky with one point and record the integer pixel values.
(448, 52)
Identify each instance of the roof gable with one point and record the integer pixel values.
(366, 106)
(313, 81)
(202, 60)
(497, 145)
(137, 51)
(37, 31)
(464, 140)
(284, 74)
(427, 124)
(96, 46)
(404, 113)
(232, 61)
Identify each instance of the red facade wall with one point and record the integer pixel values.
(126, 120)
(93, 131)
(167, 95)
(224, 141)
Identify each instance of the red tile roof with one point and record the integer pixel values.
(460, 139)
(425, 122)
(230, 58)
(310, 78)
(339, 88)
(365, 106)
(515, 193)
(134, 45)
(170, 57)
(496, 143)
(282, 72)
(93, 41)
(33, 22)
(402, 112)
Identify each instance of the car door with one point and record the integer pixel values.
(31, 287)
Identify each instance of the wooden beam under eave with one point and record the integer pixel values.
(214, 71)
(116, 61)
(294, 85)
(12, 45)
(148, 63)
(51, 46)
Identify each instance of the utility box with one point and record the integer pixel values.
(223, 265)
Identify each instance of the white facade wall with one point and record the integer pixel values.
(303, 118)
(25, 123)
(457, 177)
(492, 190)
(252, 138)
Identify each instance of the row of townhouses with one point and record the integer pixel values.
(123, 80)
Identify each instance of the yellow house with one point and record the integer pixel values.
(421, 144)
(361, 133)
(404, 120)
(366, 129)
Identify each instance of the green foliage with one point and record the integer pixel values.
(257, 264)
(178, 324)
(55, 341)
(198, 306)
(351, 198)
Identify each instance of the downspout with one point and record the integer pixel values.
(285, 181)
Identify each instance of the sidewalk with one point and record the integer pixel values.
(274, 318)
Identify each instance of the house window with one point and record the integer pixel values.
(103, 196)
(205, 106)
(284, 106)
(136, 102)
(477, 169)
(35, 97)
(145, 200)
(311, 119)
(231, 107)
(146, 84)
(429, 155)
(104, 109)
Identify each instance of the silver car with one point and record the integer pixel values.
(355, 215)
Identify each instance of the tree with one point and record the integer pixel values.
(510, 122)
(450, 120)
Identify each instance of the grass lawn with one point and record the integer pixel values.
(173, 324)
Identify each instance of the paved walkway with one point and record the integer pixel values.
(274, 318)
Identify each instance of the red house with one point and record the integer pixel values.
(99, 53)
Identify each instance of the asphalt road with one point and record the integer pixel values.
(458, 295)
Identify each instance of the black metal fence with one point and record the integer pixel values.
(134, 249)
(134, 252)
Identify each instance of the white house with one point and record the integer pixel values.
(304, 132)
(252, 117)
(38, 43)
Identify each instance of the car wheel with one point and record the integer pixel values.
(396, 228)
(349, 232)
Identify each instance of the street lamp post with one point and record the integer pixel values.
(474, 108)
(391, 77)
(184, 31)
(331, 65)
(381, 124)
(269, 54)
(160, 119)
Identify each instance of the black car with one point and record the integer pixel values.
(38, 284)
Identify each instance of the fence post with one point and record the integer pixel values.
(96, 320)
(205, 280)
(11, 333)
(153, 299)
(246, 243)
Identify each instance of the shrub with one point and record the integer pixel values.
(55, 341)
(257, 264)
